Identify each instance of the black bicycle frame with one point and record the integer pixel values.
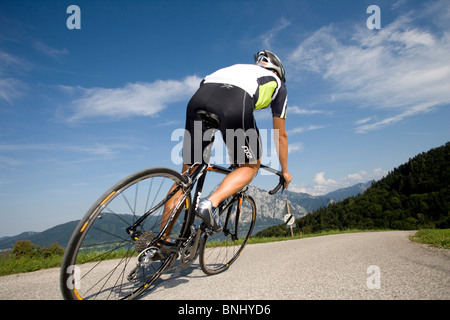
(198, 176)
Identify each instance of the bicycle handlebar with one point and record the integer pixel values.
(280, 183)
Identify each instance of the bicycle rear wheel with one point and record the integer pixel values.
(100, 261)
(218, 251)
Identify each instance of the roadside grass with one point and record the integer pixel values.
(439, 238)
(12, 265)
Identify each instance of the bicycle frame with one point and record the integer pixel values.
(197, 176)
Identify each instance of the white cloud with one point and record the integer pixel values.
(320, 180)
(321, 185)
(295, 147)
(297, 110)
(362, 121)
(400, 71)
(305, 129)
(134, 99)
(414, 110)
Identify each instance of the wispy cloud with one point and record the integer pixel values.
(20, 154)
(96, 149)
(10, 87)
(269, 35)
(400, 71)
(297, 110)
(412, 111)
(299, 130)
(10, 162)
(134, 99)
(53, 53)
(363, 121)
(295, 147)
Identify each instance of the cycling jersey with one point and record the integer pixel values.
(233, 94)
(261, 84)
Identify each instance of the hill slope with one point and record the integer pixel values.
(414, 195)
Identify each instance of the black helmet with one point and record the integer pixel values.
(269, 60)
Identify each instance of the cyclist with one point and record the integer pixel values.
(233, 93)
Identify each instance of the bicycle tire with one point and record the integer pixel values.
(220, 250)
(101, 242)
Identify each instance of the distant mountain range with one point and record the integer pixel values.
(271, 211)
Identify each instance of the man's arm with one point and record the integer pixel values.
(281, 142)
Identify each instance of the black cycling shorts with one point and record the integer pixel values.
(234, 107)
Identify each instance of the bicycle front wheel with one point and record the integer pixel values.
(220, 250)
(101, 259)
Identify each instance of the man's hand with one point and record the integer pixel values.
(287, 178)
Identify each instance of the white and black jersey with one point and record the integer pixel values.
(261, 84)
(233, 94)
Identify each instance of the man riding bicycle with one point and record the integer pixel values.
(232, 94)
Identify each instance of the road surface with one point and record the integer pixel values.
(372, 265)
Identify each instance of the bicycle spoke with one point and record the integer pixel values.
(219, 251)
(103, 250)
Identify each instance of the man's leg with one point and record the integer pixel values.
(170, 205)
(234, 182)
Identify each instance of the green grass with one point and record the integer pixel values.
(439, 238)
(10, 264)
(13, 265)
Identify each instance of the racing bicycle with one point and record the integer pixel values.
(145, 226)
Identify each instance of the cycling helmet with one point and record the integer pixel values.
(269, 60)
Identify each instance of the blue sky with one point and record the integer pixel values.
(80, 109)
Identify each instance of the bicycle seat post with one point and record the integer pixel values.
(212, 124)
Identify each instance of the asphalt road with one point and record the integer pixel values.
(372, 265)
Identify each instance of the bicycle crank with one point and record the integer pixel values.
(189, 250)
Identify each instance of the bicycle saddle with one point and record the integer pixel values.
(210, 119)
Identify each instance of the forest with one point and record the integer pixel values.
(413, 196)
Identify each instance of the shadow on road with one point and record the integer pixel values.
(173, 278)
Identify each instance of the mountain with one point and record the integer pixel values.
(344, 193)
(271, 208)
(60, 233)
(271, 211)
(311, 203)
